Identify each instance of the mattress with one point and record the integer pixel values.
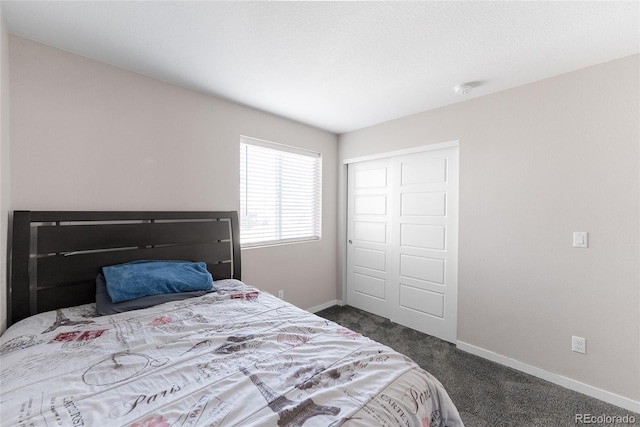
(238, 356)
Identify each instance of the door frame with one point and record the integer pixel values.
(343, 230)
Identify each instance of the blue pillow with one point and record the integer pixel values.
(143, 278)
(104, 305)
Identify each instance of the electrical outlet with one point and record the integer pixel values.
(281, 294)
(578, 344)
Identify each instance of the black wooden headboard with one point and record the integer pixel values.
(56, 256)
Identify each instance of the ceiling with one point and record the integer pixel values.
(339, 66)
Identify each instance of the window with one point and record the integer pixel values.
(280, 193)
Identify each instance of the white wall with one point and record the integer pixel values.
(5, 169)
(536, 163)
(89, 136)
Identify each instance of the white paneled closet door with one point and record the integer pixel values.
(369, 236)
(403, 232)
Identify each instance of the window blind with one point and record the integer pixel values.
(280, 193)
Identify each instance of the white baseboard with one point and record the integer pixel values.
(560, 380)
(320, 307)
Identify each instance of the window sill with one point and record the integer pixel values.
(261, 245)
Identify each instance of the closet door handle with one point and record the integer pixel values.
(350, 242)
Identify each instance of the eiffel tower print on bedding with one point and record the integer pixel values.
(235, 357)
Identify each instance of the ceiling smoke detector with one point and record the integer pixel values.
(462, 89)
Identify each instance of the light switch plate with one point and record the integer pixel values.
(580, 239)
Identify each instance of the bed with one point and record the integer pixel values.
(236, 356)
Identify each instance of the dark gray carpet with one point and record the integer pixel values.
(486, 394)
